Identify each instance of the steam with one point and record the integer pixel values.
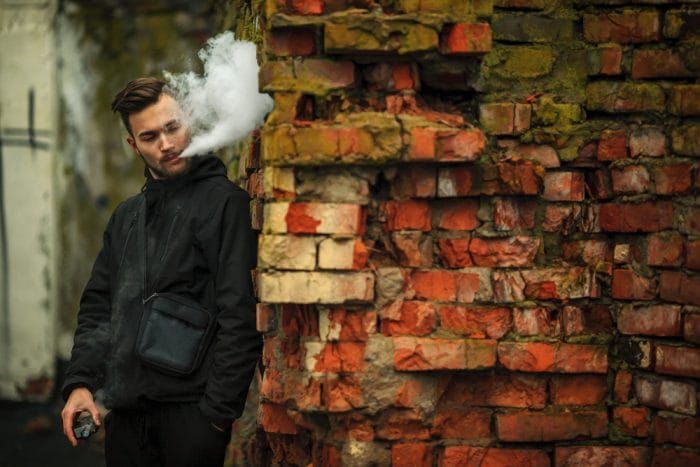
(224, 104)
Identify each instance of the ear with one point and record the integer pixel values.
(132, 143)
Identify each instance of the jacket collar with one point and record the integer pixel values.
(202, 167)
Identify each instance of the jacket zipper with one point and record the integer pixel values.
(170, 234)
(126, 243)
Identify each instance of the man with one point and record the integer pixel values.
(199, 245)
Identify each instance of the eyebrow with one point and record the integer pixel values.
(154, 132)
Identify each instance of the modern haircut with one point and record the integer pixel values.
(136, 96)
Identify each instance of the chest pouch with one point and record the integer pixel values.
(174, 331)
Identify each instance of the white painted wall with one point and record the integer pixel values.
(28, 292)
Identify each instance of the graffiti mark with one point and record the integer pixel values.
(25, 137)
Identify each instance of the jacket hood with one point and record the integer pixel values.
(202, 167)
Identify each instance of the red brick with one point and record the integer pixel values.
(391, 76)
(666, 394)
(536, 322)
(551, 426)
(471, 456)
(342, 394)
(544, 154)
(561, 218)
(476, 322)
(274, 419)
(678, 287)
(692, 255)
(665, 249)
(691, 327)
(414, 181)
(473, 285)
(314, 218)
(412, 455)
(306, 7)
(460, 145)
(598, 184)
(404, 76)
(350, 426)
(407, 215)
(595, 253)
(435, 284)
(623, 385)
(632, 421)
(420, 354)
(497, 118)
(455, 252)
(647, 141)
(507, 252)
(690, 220)
(665, 456)
(595, 319)
(627, 285)
(658, 63)
(655, 320)
(422, 146)
(299, 320)
(473, 424)
(495, 390)
(466, 38)
(685, 100)
(335, 357)
(618, 456)
(401, 424)
(264, 317)
(458, 214)
(628, 27)
(417, 319)
(630, 179)
(563, 186)
(647, 216)
(677, 361)
(522, 177)
(612, 145)
(553, 357)
(611, 60)
(456, 181)
(673, 178)
(513, 213)
(684, 431)
(413, 249)
(558, 283)
(291, 42)
(578, 389)
(347, 325)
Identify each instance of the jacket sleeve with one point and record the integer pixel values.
(92, 336)
(231, 247)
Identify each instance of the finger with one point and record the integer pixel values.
(95, 414)
(68, 416)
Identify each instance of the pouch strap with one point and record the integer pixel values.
(141, 244)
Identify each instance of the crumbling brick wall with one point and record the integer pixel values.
(480, 238)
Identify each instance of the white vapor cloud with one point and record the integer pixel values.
(223, 105)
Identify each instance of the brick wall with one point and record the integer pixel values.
(480, 232)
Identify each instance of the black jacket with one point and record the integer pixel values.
(200, 244)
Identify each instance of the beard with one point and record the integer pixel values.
(165, 173)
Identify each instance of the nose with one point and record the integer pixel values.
(165, 143)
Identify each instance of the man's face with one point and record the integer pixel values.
(158, 136)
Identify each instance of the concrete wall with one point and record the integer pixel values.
(27, 197)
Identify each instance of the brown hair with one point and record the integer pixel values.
(136, 96)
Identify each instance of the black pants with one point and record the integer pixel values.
(164, 435)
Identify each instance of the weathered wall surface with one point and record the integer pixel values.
(481, 232)
(28, 291)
